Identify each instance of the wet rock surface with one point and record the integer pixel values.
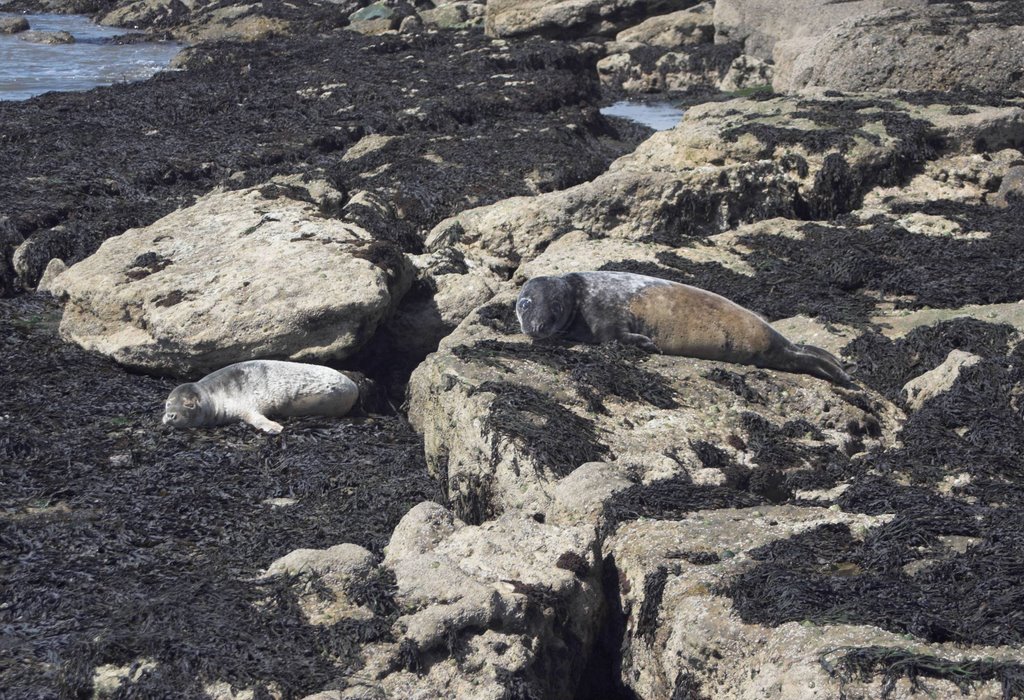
(555, 520)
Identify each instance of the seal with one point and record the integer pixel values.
(663, 316)
(251, 391)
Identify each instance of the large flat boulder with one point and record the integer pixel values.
(866, 45)
(947, 47)
(735, 162)
(234, 277)
(759, 24)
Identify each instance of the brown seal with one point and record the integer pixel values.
(251, 391)
(663, 316)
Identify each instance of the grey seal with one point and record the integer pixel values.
(251, 391)
(663, 316)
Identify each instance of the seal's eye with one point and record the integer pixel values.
(524, 302)
(189, 403)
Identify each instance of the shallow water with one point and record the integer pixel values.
(657, 115)
(28, 69)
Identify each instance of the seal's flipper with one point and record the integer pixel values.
(821, 363)
(641, 341)
(258, 420)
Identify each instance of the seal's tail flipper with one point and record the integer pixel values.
(823, 364)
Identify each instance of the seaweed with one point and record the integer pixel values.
(737, 384)
(671, 499)
(886, 365)
(865, 663)
(554, 437)
(471, 497)
(500, 317)
(647, 617)
(596, 371)
(687, 687)
(121, 539)
(570, 561)
(242, 113)
(835, 271)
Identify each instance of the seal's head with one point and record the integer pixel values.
(545, 306)
(184, 406)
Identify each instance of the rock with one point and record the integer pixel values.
(454, 15)
(681, 627)
(897, 325)
(640, 69)
(110, 679)
(672, 30)
(487, 611)
(13, 25)
(410, 25)
(372, 27)
(938, 48)
(759, 24)
(341, 569)
(31, 258)
(376, 11)
(235, 276)
(197, 22)
(1011, 186)
(938, 380)
(572, 18)
(745, 73)
(55, 267)
(506, 420)
(38, 37)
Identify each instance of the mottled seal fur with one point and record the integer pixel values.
(252, 391)
(663, 316)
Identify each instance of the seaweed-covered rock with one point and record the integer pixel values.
(679, 629)
(747, 73)
(506, 419)
(208, 20)
(40, 37)
(13, 25)
(686, 70)
(328, 582)
(669, 53)
(234, 277)
(572, 18)
(494, 611)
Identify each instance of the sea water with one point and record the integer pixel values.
(657, 115)
(28, 69)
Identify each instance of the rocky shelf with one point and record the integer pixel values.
(367, 186)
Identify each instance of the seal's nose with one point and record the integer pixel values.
(168, 417)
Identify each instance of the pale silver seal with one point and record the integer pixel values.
(251, 391)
